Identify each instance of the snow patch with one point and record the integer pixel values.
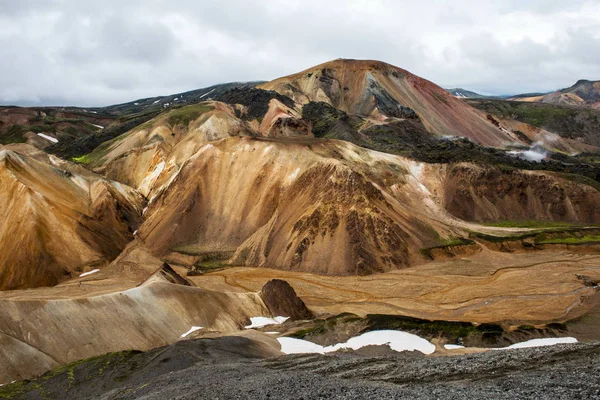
(136, 104)
(299, 346)
(259, 322)
(192, 329)
(541, 342)
(453, 346)
(416, 170)
(396, 340)
(50, 138)
(97, 126)
(89, 273)
(206, 94)
(156, 101)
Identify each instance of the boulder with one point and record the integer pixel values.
(281, 299)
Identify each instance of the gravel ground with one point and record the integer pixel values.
(557, 372)
(236, 368)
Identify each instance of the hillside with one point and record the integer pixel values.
(583, 93)
(57, 222)
(44, 126)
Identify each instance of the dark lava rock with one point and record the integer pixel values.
(281, 299)
(172, 276)
(256, 100)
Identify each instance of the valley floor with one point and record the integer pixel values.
(515, 288)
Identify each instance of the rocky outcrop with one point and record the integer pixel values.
(169, 274)
(281, 299)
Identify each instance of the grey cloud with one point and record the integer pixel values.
(96, 53)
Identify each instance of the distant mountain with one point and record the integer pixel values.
(45, 126)
(159, 103)
(583, 93)
(467, 94)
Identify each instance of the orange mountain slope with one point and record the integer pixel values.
(378, 90)
(56, 222)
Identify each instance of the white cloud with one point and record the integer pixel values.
(97, 53)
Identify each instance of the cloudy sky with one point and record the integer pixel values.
(90, 53)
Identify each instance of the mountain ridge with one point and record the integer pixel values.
(583, 93)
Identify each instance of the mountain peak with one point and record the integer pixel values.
(379, 91)
(354, 65)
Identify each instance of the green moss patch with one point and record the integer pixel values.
(587, 239)
(185, 115)
(430, 328)
(532, 224)
(573, 235)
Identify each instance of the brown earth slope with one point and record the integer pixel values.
(484, 194)
(55, 222)
(149, 156)
(320, 206)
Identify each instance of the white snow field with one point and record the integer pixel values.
(259, 322)
(396, 340)
(453, 346)
(541, 342)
